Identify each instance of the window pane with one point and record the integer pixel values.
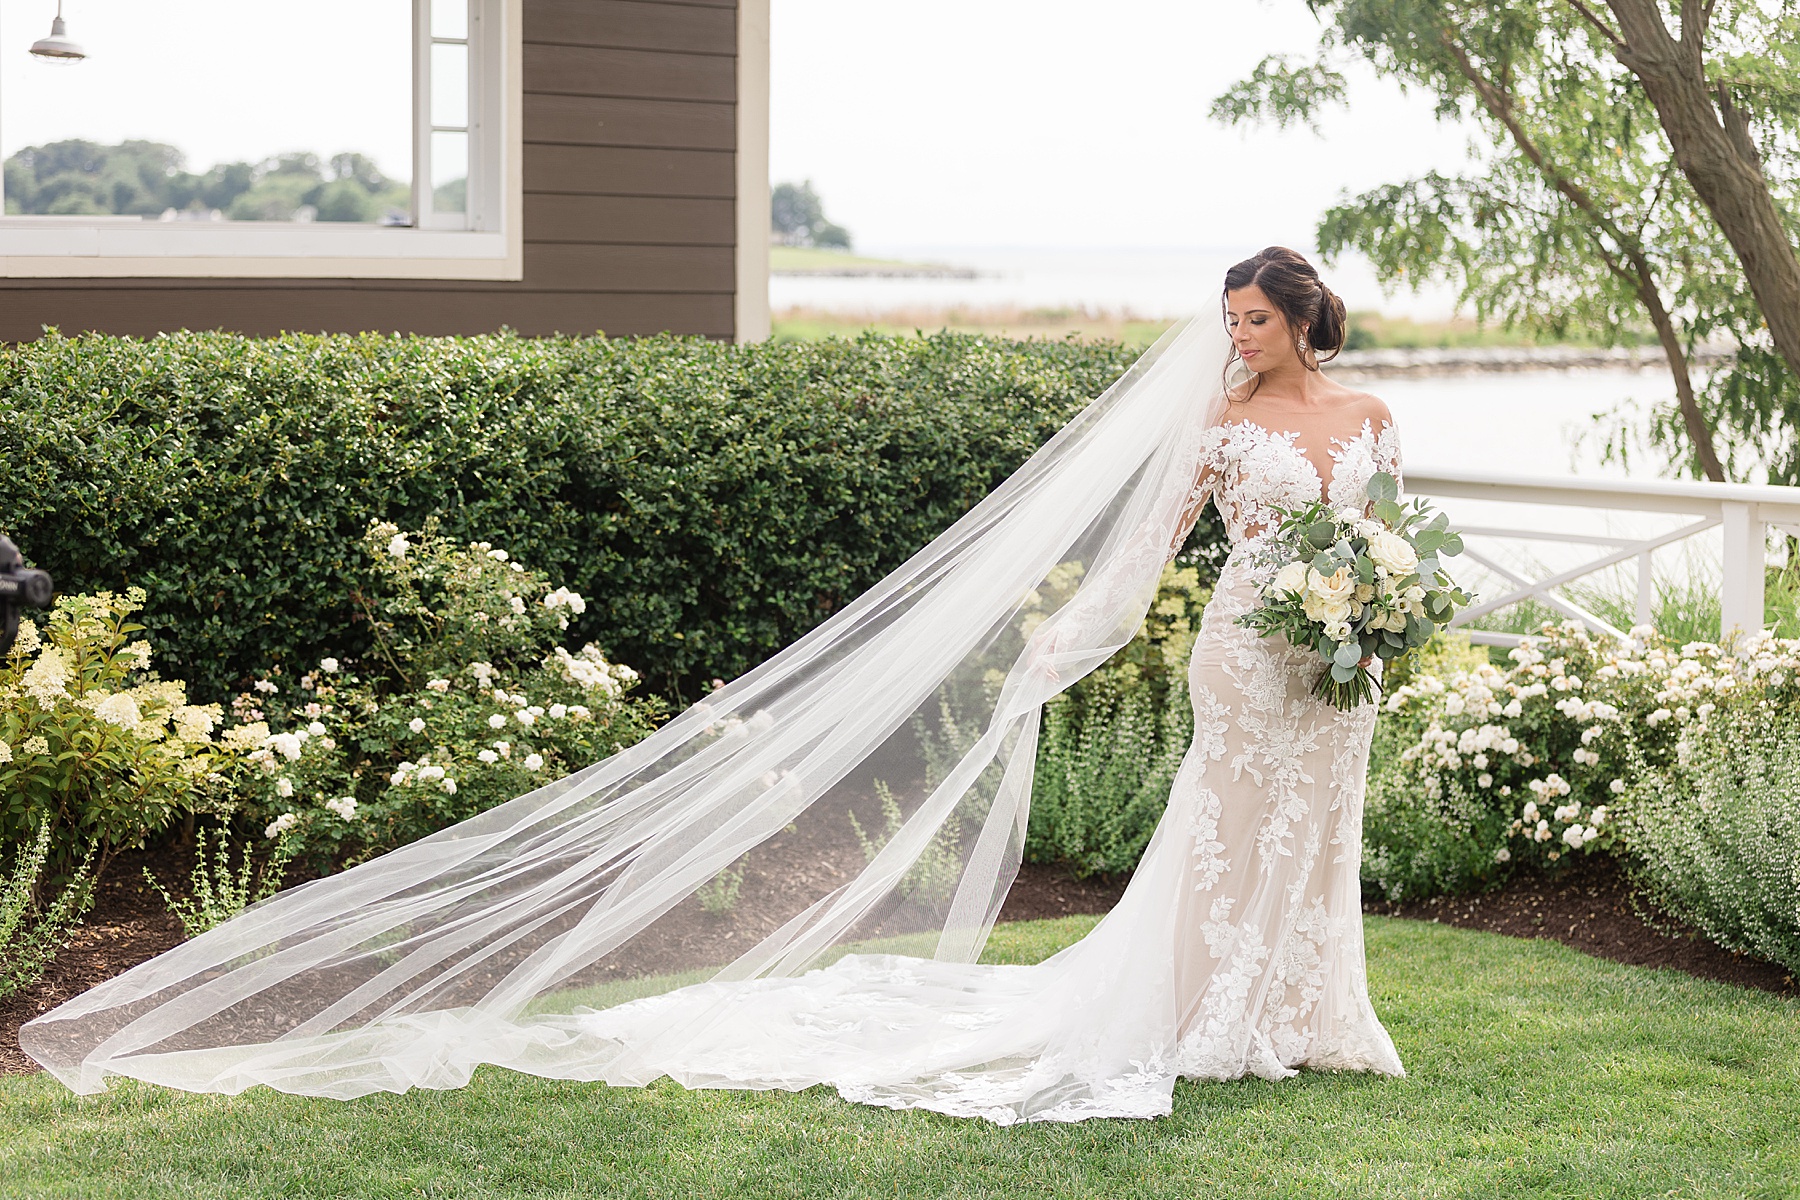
(449, 18)
(449, 172)
(449, 84)
(213, 110)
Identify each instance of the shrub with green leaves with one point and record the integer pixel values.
(95, 747)
(714, 501)
(1714, 835)
(1111, 744)
(31, 932)
(218, 891)
(466, 699)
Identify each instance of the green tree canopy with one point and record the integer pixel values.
(797, 218)
(140, 178)
(1576, 214)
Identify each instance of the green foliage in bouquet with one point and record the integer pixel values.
(1356, 586)
(467, 699)
(95, 748)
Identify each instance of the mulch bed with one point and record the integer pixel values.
(128, 924)
(1593, 911)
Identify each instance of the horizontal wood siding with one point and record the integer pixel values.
(629, 218)
(636, 25)
(150, 307)
(610, 121)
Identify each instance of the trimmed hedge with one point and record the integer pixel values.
(714, 502)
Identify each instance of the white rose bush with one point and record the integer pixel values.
(1356, 586)
(1587, 744)
(467, 699)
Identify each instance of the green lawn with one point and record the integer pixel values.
(1536, 1071)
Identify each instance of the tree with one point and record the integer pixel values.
(1724, 87)
(149, 178)
(797, 218)
(1577, 218)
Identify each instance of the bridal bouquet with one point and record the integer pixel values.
(1356, 587)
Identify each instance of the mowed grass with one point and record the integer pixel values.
(1535, 1071)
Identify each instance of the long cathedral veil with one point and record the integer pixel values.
(866, 789)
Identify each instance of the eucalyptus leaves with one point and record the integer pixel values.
(1357, 586)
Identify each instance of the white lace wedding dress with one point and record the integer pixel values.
(1236, 950)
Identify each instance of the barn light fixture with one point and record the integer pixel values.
(58, 47)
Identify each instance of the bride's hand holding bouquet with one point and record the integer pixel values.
(1358, 586)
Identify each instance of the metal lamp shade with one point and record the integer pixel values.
(58, 45)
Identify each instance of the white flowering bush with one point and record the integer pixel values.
(467, 700)
(94, 746)
(1488, 770)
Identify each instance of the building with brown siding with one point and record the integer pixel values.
(629, 154)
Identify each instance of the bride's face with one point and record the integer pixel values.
(1261, 333)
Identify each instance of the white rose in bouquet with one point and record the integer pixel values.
(1289, 581)
(1325, 611)
(1339, 585)
(1394, 552)
(1327, 598)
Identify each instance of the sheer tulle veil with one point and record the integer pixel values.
(863, 791)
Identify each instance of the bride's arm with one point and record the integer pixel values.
(1092, 608)
(1206, 486)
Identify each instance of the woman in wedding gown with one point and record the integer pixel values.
(538, 936)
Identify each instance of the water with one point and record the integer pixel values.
(1548, 423)
(1153, 282)
(1523, 422)
(1514, 422)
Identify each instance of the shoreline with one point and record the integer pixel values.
(1390, 363)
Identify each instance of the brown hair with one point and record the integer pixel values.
(1293, 286)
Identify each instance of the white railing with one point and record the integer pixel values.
(1744, 513)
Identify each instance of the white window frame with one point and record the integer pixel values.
(486, 242)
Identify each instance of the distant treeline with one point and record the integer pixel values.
(143, 178)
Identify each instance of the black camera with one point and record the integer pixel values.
(20, 587)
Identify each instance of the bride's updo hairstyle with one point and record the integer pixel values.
(1293, 286)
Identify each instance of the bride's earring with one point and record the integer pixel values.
(1309, 358)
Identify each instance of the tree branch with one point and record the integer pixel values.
(1696, 15)
(1639, 277)
(1593, 19)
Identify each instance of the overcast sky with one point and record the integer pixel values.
(325, 76)
(928, 122)
(1065, 123)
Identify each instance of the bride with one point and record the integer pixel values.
(791, 883)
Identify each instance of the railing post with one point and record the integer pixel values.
(1741, 598)
(1646, 596)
